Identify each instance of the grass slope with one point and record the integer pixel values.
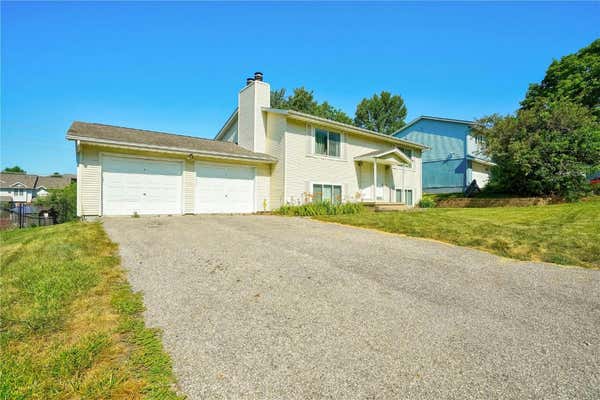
(563, 234)
(70, 324)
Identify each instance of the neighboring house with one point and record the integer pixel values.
(46, 183)
(19, 187)
(456, 157)
(23, 188)
(261, 159)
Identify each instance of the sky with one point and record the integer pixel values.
(177, 67)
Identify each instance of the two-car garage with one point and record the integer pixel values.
(154, 186)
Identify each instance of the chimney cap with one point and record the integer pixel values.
(249, 80)
(258, 76)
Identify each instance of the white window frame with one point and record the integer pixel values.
(312, 189)
(314, 143)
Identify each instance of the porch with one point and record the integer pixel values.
(381, 182)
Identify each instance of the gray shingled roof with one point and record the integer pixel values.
(8, 179)
(56, 182)
(140, 137)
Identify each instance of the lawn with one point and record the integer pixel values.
(70, 326)
(564, 234)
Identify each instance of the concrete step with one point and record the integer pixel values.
(390, 207)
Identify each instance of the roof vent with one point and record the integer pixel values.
(258, 76)
(249, 81)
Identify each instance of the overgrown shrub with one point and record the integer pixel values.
(320, 208)
(427, 203)
(63, 201)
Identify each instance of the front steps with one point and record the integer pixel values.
(381, 207)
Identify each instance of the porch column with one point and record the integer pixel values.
(375, 180)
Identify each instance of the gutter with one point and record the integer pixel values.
(216, 154)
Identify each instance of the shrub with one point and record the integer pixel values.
(63, 201)
(320, 208)
(427, 203)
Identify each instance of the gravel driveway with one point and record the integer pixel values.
(261, 307)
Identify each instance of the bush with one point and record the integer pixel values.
(427, 203)
(320, 208)
(63, 201)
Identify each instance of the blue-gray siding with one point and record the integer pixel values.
(445, 164)
(444, 174)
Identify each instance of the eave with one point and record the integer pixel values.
(175, 150)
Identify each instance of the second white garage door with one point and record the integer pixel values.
(224, 188)
(136, 185)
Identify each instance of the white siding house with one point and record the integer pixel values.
(261, 159)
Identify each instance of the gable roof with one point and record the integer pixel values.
(140, 138)
(382, 153)
(27, 181)
(345, 127)
(422, 117)
(55, 182)
(9, 179)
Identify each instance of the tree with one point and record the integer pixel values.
(15, 169)
(575, 77)
(278, 99)
(384, 113)
(64, 201)
(303, 100)
(543, 150)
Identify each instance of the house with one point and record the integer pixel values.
(57, 181)
(23, 188)
(261, 159)
(456, 157)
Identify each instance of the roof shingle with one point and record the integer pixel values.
(131, 136)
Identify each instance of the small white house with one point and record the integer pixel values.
(261, 159)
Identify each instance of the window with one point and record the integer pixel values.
(398, 195)
(479, 139)
(408, 200)
(330, 193)
(327, 143)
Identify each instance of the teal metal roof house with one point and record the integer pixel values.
(456, 157)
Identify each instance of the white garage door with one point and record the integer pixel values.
(139, 185)
(224, 189)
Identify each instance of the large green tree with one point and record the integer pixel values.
(15, 169)
(303, 100)
(384, 113)
(545, 149)
(575, 77)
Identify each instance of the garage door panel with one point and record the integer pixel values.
(139, 185)
(224, 189)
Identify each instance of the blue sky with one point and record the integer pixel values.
(177, 67)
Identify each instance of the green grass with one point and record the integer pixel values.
(70, 326)
(319, 208)
(564, 234)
